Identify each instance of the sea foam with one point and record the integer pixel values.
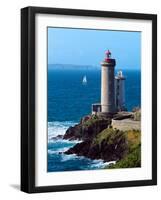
(58, 128)
(57, 147)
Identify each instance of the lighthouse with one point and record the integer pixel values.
(120, 92)
(108, 84)
(112, 89)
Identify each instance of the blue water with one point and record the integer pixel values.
(68, 101)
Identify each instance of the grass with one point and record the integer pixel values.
(131, 160)
(93, 120)
(109, 135)
(133, 138)
(129, 140)
(90, 122)
(127, 143)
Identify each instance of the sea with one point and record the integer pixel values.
(68, 101)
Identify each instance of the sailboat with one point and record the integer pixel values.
(84, 81)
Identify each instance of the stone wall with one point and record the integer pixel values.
(126, 124)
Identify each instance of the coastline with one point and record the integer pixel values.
(100, 140)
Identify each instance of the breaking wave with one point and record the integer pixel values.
(58, 160)
(58, 128)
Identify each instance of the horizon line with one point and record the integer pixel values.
(92, 66)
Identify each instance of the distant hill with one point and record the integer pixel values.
(72, 66)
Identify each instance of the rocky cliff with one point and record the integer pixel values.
(101, 141)
(88, 128)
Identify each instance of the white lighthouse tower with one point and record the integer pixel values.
(107, 84)
(107, 105)
(120, 91)
(112, 89)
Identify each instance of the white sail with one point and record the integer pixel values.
(84, 81)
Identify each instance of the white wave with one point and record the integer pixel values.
(58, 128)
(59, 150)
(64, 141)
(111, 162)
(53, 151)
(66, 157)
(97, 164)
(101, 164)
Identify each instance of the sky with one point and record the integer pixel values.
(87, 47)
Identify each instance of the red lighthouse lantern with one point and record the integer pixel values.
(108, 56)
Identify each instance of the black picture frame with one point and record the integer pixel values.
(28, 98)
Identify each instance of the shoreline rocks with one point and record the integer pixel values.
(102, 148)
(101, 141)
(58, 137)
(87, 129)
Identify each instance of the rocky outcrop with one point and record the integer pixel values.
(108, 145)
(58, 137)
(101, 141)
(87, 129)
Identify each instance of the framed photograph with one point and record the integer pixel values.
(88, 99)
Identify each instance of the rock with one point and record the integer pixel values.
(86, 129)
(104, 148)
(101, 141)
(86, 118)
(58, 137)
(79, 149)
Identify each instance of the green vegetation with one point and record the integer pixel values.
(94, 119)
(91, 121)
(102, 141)
(134, 139)
(111, 136)
(128, 145)
(133, 157)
